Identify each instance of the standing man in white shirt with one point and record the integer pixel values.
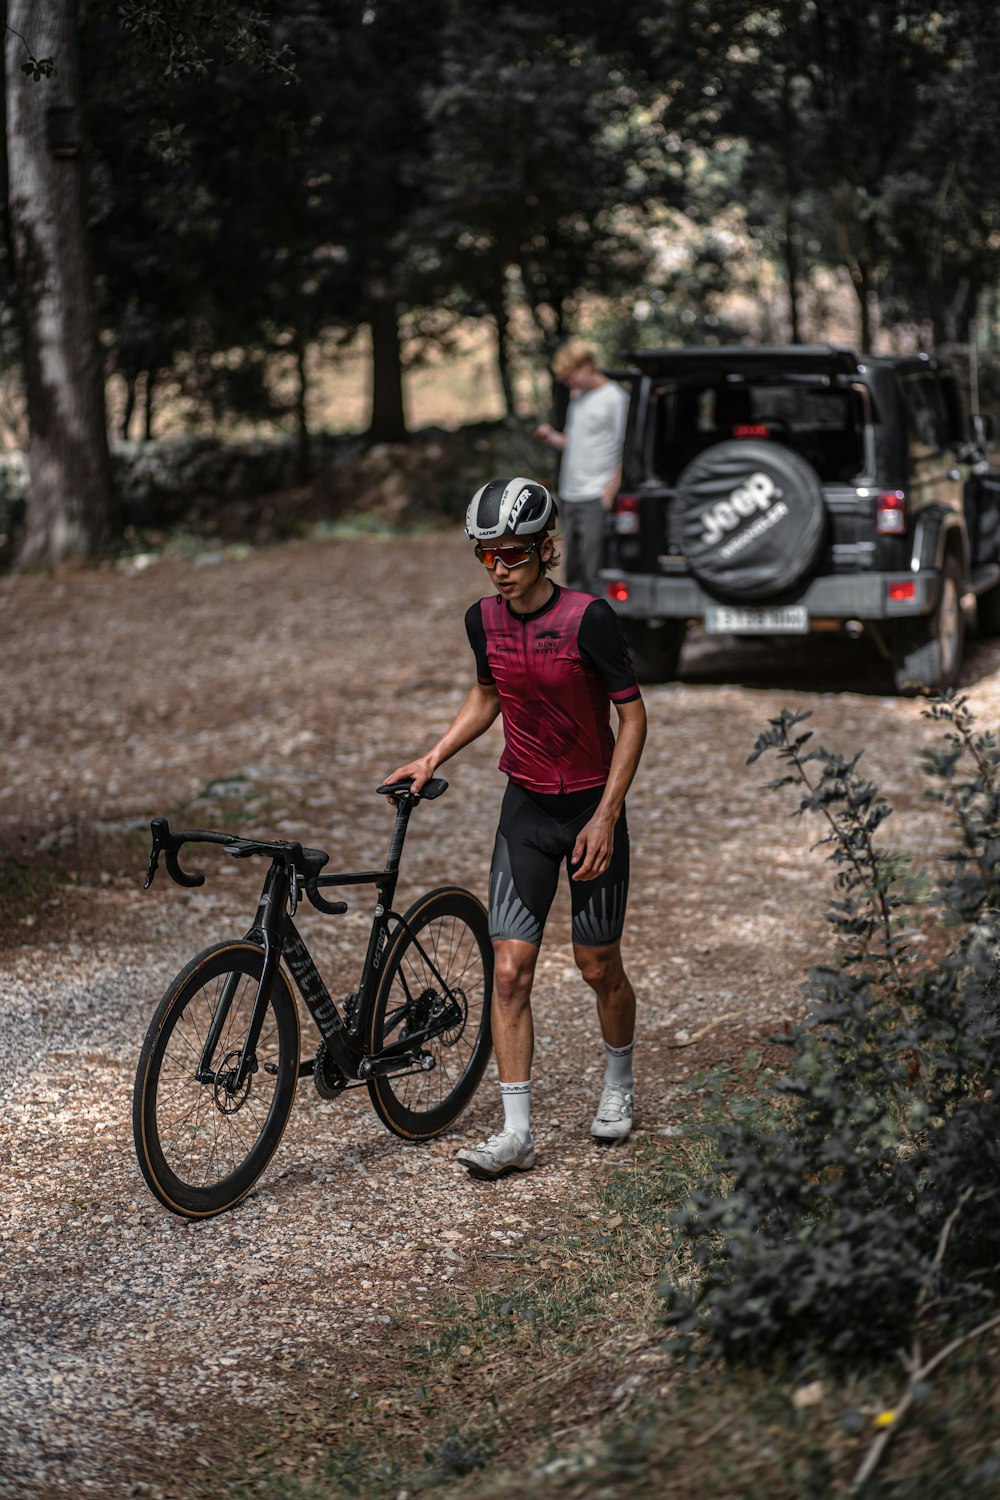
(591, 448)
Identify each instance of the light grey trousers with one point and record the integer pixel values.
(583, 523)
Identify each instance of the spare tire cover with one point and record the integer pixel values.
(752, 518)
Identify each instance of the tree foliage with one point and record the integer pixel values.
(857, 1207)
(267, 179)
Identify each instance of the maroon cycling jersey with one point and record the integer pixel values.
(557, 670)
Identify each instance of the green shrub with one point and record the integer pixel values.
(860, 1200)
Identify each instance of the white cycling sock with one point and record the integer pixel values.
(618, 1072)
(517, 1109)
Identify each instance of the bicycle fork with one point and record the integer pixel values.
(272, 901)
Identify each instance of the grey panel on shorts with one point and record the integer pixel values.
(602, 919)
(509, 917)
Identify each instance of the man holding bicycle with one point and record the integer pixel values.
(552, 661)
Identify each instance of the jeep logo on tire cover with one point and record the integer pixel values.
(756, 493)
(752, 519)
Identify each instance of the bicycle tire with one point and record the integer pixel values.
(199, 1149)
(454, 931)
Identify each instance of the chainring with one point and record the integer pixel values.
(329, 1080)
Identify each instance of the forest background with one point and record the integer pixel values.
(317, 220)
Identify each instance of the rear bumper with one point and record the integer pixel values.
(855, 596)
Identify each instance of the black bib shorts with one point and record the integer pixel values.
(536, 835)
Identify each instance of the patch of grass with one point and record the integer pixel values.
(23, 884)
(227, 803)
(26, 885)
(348, 528)
(563, 1380)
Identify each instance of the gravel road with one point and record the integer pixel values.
(273, 691)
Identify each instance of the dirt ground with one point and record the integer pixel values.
(271, 692)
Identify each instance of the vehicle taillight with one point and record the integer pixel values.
(751, 430)
(627, 515)
(618, 591)
(890, 513)
(902, 590)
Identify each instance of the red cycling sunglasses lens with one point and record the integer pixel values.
(511, 557)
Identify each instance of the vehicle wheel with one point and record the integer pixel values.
(928, 651)
(201, 1145)
(655, 649)
(988, 611)
(753, 519)
(439, 963)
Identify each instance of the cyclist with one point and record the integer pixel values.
(551, 661)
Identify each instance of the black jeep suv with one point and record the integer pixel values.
(788, 490)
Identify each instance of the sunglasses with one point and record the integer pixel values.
(511, 557)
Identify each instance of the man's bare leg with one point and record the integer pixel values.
(514, 1040)
(603, 970)
(513, 1029)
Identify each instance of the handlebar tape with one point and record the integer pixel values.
(181, 876)
(334, 908)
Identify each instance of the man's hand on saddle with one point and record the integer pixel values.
(420, 771)
(594, 847)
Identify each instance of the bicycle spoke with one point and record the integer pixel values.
(445, 960)
(194, 1130)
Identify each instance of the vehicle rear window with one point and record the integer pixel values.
(825, 426)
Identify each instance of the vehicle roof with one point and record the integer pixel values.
(788, 357)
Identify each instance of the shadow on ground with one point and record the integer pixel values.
(810, 664)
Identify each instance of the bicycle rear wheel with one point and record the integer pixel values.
(437, 975)
(203, 1143)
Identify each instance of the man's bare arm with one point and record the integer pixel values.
(552, 436)
(596, 841)
(476, 715)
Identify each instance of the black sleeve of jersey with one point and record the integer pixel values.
(603, 647)
(477, 640)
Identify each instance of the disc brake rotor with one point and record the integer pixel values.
(228, 1097)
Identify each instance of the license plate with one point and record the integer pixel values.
(727, 619)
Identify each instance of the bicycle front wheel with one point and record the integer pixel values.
(201, 1137)
(436, 986)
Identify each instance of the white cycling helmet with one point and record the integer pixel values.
(509, 507)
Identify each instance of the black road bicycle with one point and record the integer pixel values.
(220, 1061)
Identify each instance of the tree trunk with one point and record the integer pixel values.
(856, 261)
(388, 422)
(950, 310)
(791, 236)
(792, 270)
(148, 406)
(131, 388)
(303, 457)
(862, 285)
(71, 508)
(502, 322)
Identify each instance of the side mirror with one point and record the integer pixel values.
(985, 430)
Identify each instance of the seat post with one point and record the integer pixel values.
(404, 806)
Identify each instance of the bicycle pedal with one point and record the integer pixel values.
(272, 1068)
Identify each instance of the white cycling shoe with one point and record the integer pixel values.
(613, 1119)
(502, 1153)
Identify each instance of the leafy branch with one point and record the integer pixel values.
(918, 1370)
(854, 811)
(35, 67)
(862, 1214)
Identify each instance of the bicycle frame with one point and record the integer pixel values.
(275, 931)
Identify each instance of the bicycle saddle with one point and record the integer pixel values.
(427, 793)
